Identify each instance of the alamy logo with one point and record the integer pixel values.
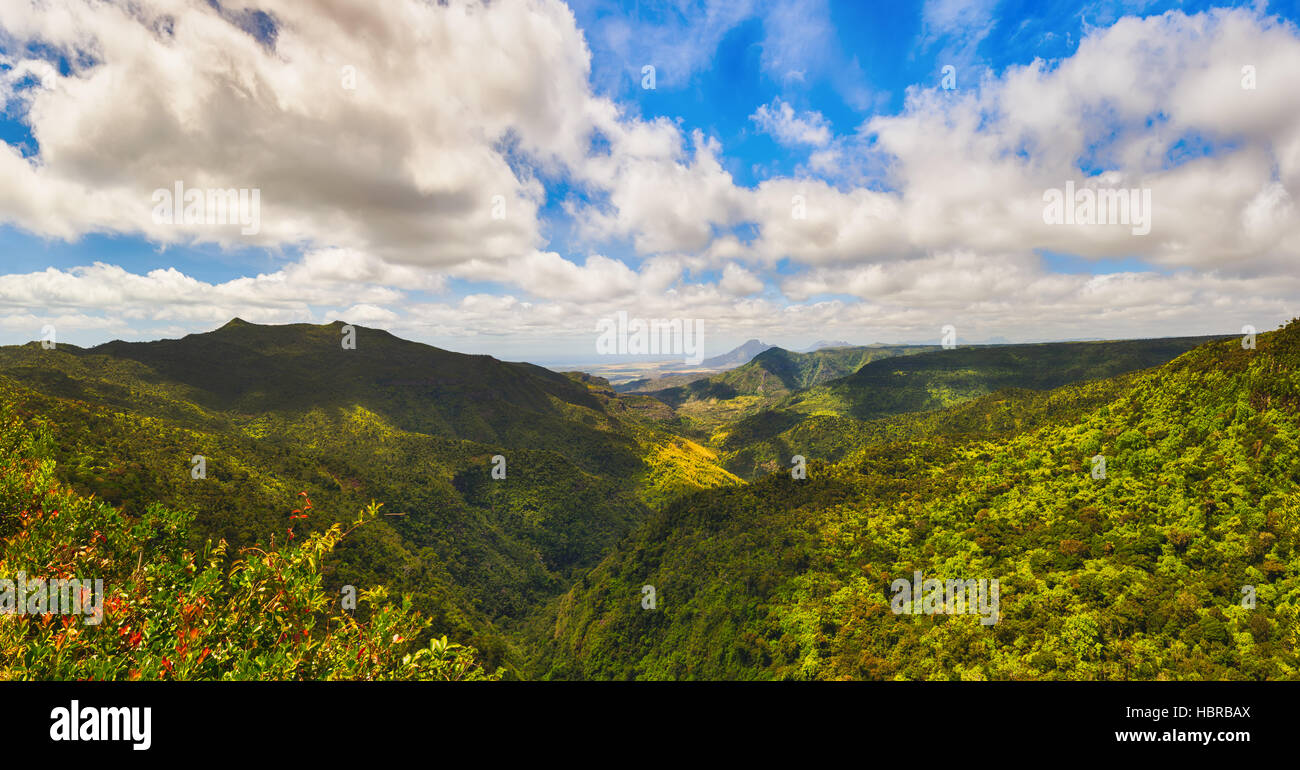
(62, 596)
(953, 597)
(637, 336)
(196, 206)
(1100, 206)
(103, 723)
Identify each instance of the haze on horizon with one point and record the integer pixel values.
(625, 363)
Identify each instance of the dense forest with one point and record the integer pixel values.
(278, 410)
(528, 514)
(1179, 561)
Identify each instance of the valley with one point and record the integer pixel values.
(968, 463)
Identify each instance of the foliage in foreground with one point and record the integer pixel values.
(172, 613)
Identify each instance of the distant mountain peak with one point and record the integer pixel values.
(235, 323)
(823, 344)
(736, 356)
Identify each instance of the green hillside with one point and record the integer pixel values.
(167, 611)
(1139, 574)
(278, 410)
(765, 442)
(937, 379)
(963, 464)
(247, 369)
(822, 420)
(771, 376)
(777, 372)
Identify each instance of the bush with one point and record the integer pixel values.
(171, 613)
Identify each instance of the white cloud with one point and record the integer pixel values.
(738, 281)
(926, 216)
(958, 26)
(677, 38)
(780, 120)
(550, 276)
(1014, 296)
(663, 199)
(369, 314)
(170, 295)
(406, 166)
(969, 169)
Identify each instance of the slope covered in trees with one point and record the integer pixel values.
(155, 608)
(770, 377)
(276, 410)
(1181, 561)
(973, 463)
(829, 417)
(936, 379)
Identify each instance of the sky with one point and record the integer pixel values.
(499, 177)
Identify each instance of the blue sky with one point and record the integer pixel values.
(923, 201)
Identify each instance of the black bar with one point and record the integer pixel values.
(995, 719)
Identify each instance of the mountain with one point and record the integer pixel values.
(1181, 560)
(735, 356)
(820, 344)
(975, 463)
(275, 410)
(940, 378)
(732, 408)
(831, 414)
(778, 372)
(770, 377)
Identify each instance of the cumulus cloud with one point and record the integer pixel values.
(661, 196)
(780, 120)
(167, 294)
(969, 169)
(1014, 296)
(437, 165)
(350, 145)
(739, 281)
(550, 276)
(1150, 105)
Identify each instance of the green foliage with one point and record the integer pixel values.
(767, 440)
(1135, 576)
(967, 463)
(169, 612)
(938, 379)
(276, 410)
(767, 379)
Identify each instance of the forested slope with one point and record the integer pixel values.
(1144, 573)
(153, 607)
(772, 376)
(277, 410)
(826, 418)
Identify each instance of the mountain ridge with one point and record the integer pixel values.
(1133, 573)
(274, 410)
